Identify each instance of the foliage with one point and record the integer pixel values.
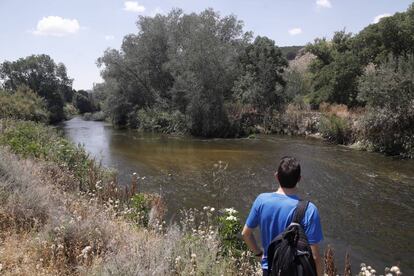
(160, 121)
(22, 104)
(334, 71)
(335, 128)
(42, 75)
(391, 35)
(69, 110)
(229, 232)
(290, 52)
(140, 208)
(186, 65)
(388, 90)
(95, 116)
(83, 101)
(261, 83)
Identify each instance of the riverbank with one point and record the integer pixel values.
(70, 216)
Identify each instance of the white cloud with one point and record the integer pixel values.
(56, 26)
(109, 37)
(295, 31)
(379, 17)
(132, 6)
(324, 3)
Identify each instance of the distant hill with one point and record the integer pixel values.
(290, 52)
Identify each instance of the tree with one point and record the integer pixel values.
(184, 62)
(261, 82)
(42, 75)
(388, 91)
(335, 70)
(83, 101)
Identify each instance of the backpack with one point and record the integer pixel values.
(290, 253)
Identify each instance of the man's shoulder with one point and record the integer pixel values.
(312, 210)
(312, 206)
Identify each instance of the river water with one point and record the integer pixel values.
(366, 200)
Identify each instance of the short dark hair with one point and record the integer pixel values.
(288, 172)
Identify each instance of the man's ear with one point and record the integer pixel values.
(277, 177)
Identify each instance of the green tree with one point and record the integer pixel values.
(83, 101)
(388, 90)
(41, 74)
(335, 70)
(261, 83)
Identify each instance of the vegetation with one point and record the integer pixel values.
(23, 104)
(191, 67)
(42, 75)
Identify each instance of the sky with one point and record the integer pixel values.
(77, 32)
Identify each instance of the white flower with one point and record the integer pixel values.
(230, 210)
(193, 255)
(212, 209)
(231, 217)
(205, 208)
(394, 269)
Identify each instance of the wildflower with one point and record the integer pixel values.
(395, 269)
(231, 218)
(230, 210)
(193, 256)
(205, 208)
(212, 209)
(134, 173)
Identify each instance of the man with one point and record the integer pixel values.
(273, 212)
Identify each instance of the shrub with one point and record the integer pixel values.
(388, 91)
(95, 116)
(69, 110)
(23, 104)
(140, 209)
(389, 132)
(159, 121)
(229, 233)
(335, 129)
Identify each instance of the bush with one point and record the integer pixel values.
(335, 129)
(96, 116)
(160, 121)
(140, 206)
(69, 110)
(388, 132)
(23, 104)
(388, 91)
(229, 231)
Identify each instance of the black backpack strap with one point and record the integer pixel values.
(300, 211)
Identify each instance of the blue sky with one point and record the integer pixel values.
(76, 32)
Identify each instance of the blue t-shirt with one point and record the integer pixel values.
(273, 212)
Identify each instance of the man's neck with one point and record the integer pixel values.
(287, 191)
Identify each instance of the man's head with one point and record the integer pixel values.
(288, 172)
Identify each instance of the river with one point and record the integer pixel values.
(366, 200)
